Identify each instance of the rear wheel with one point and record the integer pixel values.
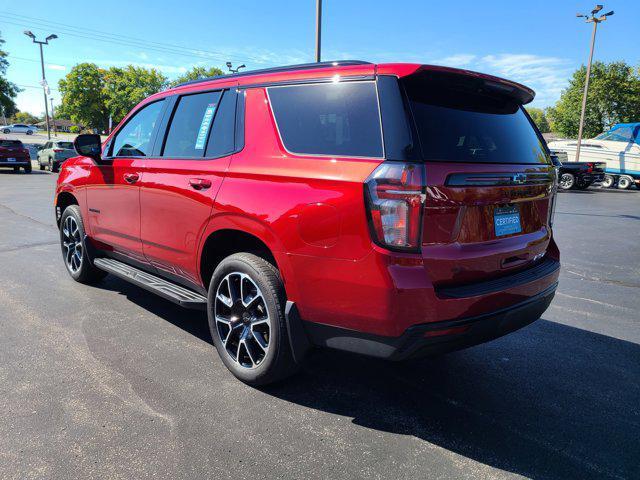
(28, 168)
(567, 181)
(29, 132)
(74, 252)
(246, 319)
(6, 130)
(54, 167)
(608, 181)
(42, 167)
(624, 182)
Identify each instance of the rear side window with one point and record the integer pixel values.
(339, 119)
(66, 145)
(11, 143)
(457, 122)
(221, 138)
(189, 129)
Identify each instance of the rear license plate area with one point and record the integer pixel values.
(11, 159)
(506, 221)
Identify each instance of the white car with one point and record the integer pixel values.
(619, 148)
(19, 128)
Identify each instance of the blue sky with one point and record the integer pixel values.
(538, 43)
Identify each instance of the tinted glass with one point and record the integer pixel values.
(67, 145)
(457, 122)
(618, 134)
(189, 128)
(11, 143)
(329, 118)
(134, 139)
(221, 140)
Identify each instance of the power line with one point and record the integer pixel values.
(81, 32)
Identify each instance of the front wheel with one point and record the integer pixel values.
(567, 181)
(29, 132)
(246, 318)
(74, 251)
(6, 130)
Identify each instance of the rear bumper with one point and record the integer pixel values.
(437, 337)
(591, 177)
(17, 163)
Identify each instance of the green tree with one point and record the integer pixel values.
(197, 73)
(8, 90)
(24, 117)
(614, 97)
(539, 118)
(83, 96)
(126, 87)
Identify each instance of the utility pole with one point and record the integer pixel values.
(318, 29)
(44, 80)
(53, 119)
(595, 20)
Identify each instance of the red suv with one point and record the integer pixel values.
(392, 210)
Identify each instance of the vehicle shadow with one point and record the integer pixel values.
(549, 401)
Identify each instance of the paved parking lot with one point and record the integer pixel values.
(112, 382)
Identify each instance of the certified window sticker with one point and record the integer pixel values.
(207, 118)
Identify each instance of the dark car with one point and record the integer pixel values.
(392, 210)
(14, 155)
(578, 175)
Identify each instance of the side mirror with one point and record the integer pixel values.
(88, 145)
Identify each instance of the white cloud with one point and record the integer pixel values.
(457, 60)
(53, 66)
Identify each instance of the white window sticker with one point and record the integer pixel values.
(201, 139)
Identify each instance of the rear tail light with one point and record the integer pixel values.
(58, 150)
(394, 195)
(589, 167)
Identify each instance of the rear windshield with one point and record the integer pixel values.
(458, 122)
(67, 145)
(10, 143)
(329, 118)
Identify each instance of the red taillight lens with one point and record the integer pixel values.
(394, 194)
(589, 167)
(58, 150)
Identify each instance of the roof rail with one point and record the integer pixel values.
(286, 68)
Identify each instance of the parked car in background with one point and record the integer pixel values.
(14, 155)
(19, 128)
(392, 210)
(618, 148)
(578, 175)
(53, 153)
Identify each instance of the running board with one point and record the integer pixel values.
(172, 292)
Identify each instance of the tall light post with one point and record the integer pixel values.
(40, 43)
(318, 28)
(595, 20)
(53, 119)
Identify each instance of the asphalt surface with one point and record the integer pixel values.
(112, 382)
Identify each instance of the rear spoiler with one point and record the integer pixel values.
(480, 81)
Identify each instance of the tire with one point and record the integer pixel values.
(53, 167)
(624, 182)
(42, 167)
(29, 132)
(6, 130)
(251, 340)
(608, 181)
(28, 168)
(80, 268)
(567, 181)
(16, 169)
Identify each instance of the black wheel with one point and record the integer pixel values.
(54, 167)
(246, 319)
(29, 132)
(624, 182)
(567, 181)
(73, 247)
(28, 168)
(6, 130)
(608, 181)
(42, 167)
(16, 169)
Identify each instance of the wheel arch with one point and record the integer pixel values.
(63, 200)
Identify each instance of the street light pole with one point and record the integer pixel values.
(44, 79)
(595, 20)
(318, 28)
(53, 119)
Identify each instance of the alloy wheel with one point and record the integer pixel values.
(566, 181)
(242, 320)
(72, 244)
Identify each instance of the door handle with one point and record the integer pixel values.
(199, 183)
(131, 177)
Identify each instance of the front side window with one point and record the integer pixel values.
(190, 125)
(134, 139)
(339, 118)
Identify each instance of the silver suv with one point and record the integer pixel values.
(52, 154)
